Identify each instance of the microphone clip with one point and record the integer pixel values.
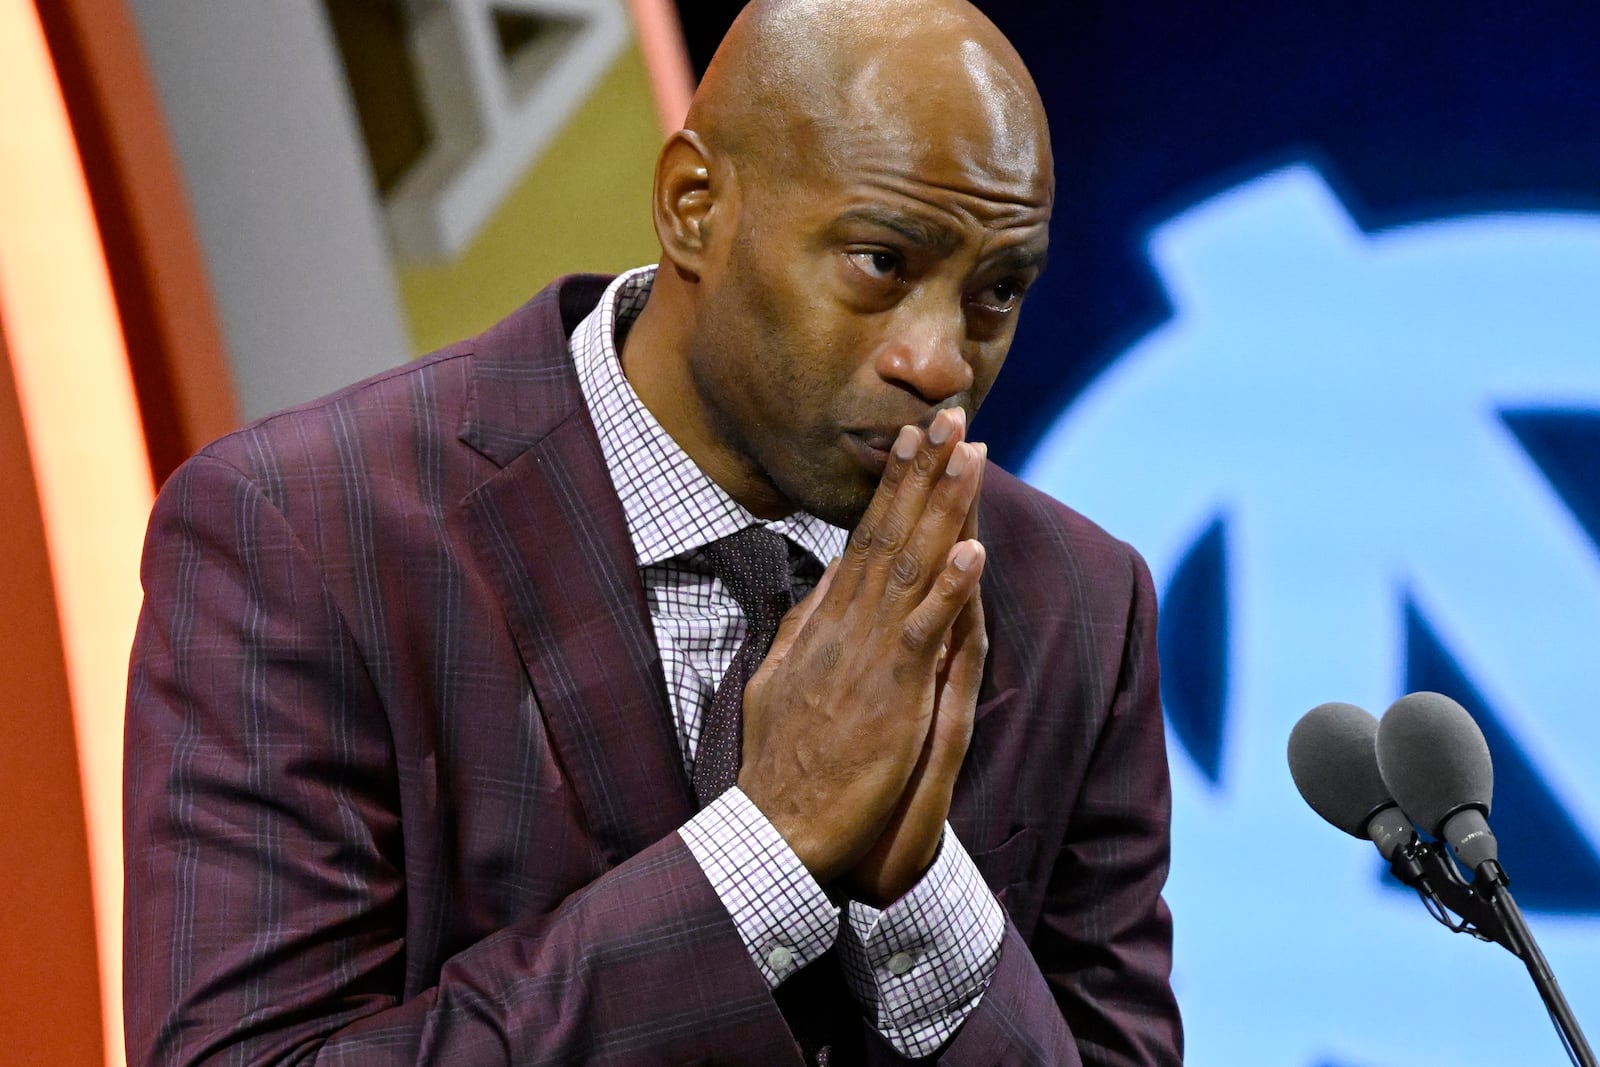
(1428, 868)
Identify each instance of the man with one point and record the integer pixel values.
(440, 748)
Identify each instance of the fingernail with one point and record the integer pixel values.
(983, 450)
(943, 426)
(905, 445)
(959, 459)
(966, 556)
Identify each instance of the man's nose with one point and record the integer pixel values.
(927, 355)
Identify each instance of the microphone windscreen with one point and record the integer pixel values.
(1434, 759)
(1334, 764)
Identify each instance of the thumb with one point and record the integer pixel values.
(794, 623)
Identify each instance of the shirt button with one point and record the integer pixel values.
(780, 959)
(900, 963)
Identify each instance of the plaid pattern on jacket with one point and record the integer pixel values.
(402, 784)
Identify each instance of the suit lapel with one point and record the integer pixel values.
(551, 533)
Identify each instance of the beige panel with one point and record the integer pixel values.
(584, 206)
(255, 97)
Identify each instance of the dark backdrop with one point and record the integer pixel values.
(1415, 110)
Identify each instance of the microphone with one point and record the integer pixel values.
(1435, 762)
(1430, 756)
(1334, 763)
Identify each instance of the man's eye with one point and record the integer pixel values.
(1002, 296)
(879, 265)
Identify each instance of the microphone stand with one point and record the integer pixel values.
(1492, 884)
(1490, 913)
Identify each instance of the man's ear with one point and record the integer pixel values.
(687, 187)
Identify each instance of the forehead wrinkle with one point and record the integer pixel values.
(1005, 105)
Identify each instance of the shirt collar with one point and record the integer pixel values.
(671, 505)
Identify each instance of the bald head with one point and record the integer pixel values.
(848, 224)
(796, 83)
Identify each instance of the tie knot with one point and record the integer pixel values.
(754, 566)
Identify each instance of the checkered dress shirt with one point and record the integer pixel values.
(919, 966)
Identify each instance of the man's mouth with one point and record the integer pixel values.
(870, 448)
(880, 439)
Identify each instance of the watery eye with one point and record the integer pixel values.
(880, 265)
(1002, 296)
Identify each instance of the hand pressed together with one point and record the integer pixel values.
(858, 720)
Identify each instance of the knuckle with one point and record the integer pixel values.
(942, 505)
(888, 539)
(907, 673)
(951, 581)
(906, 572)
(752, 702)
(916, 634)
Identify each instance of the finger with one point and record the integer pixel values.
(959, 684)
(882, 544)
(969, 647)
(915, 462)
(794, 622)
(969, 530)
(930, 624)
(903, 451)
(937, 530)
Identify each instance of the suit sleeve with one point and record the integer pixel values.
(1092, 985)
(266, 877)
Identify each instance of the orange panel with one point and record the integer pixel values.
(85, 447)
(47, 946)
(175, 349)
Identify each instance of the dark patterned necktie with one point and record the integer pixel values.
(754, 566)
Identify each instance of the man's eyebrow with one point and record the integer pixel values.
(940, 239)
(1024, 258)
(918, 231)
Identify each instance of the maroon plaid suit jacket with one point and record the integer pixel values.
(402, 785)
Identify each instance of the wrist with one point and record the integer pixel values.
(799, 833)
(880, 889)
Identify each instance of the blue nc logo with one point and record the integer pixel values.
(1362, 464)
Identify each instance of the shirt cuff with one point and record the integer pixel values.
(781, 913)
(920, 966)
